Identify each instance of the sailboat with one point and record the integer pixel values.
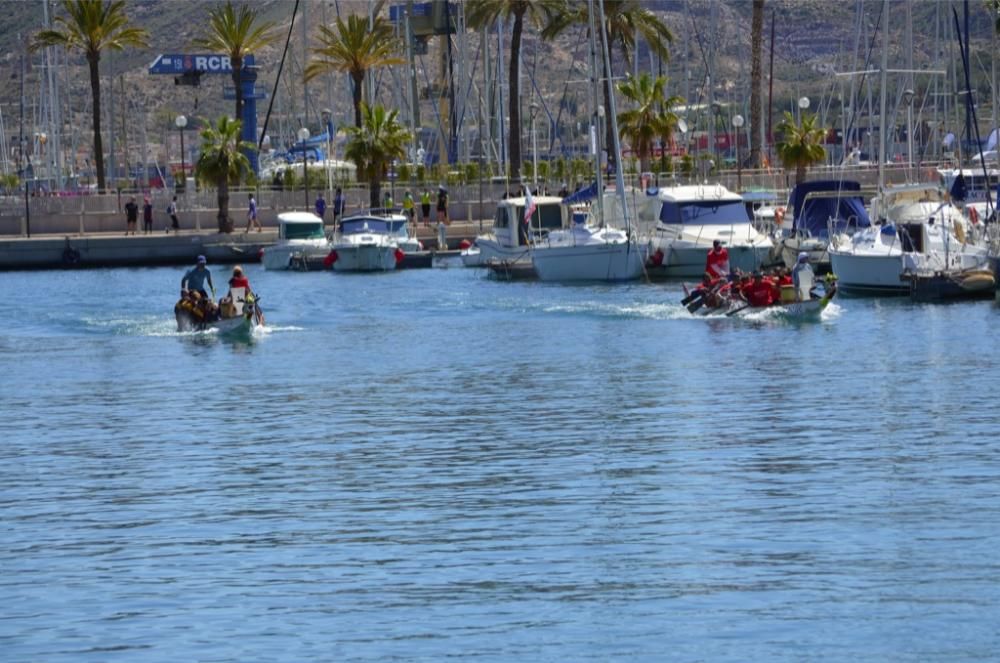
(593, 250)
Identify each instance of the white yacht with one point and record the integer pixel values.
(918, 231)
(815, 211)
(588, 252)
(300, 236)
(365, 243)
(979, 188)
(510, 237)
(683, 222)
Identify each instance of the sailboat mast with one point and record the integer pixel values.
(613, 111)
(882, 97)
(595, 131)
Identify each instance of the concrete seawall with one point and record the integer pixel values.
(116, 250)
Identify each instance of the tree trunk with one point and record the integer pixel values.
(95, 91)
(375, 192)
(359, 80)
(237, 64)
(225, 223)
(514, 102)
(756, 82)
(800, 174)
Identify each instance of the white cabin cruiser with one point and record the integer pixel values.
(365, 243)
(300, 236)
(918, 231)
(510, 237)
(682, 223)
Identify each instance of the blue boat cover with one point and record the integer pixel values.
(581, 195)
(844, 207)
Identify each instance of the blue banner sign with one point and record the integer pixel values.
(210, 64)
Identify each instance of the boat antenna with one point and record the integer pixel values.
(274, 89)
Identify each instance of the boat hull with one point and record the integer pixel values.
(689, 261)
(365, 258)
(279, 257)
(876, 274)
(490, 250)
(589, 262)
(239, 325)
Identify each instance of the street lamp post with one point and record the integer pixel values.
(803, 106)
(181, 122)
(303, 137)
(738, 124)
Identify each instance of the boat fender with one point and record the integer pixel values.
(260, 254)
(330, 259)
(399, 255)
(464, 244)
(973, 215)
(779, 215)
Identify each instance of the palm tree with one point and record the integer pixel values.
(623, 19)
(651, 118)
(223, 162)
(801, 144)
(756, 78)
(92, 26)
(237, 34)
(482, 13)
(354, 48)
(373, 146)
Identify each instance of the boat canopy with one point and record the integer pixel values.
(816, 206)
(582, 195)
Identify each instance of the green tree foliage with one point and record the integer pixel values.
(650, 118)
(373, 146)
(801, 144)
(354, 48)
(223, 163)
(237, 34)
(91, 27)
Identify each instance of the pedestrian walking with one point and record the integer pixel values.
(425, 207)
(442, 206)
(320, 206)
(175, 224)
(252, 214)
(338, 205)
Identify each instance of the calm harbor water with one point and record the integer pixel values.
(429, 464)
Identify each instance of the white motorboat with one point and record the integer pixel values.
(683, 222)
(977, 190)
(919, 231)
(300, 236)
(365, 243)
(508, 241)
(815, 211)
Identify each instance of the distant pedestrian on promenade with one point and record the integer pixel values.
(175, 224)
(387, 202)
(408, 206)
(252, 214)
(131, 216)
(147, 216)
(320, 205)
(442, 206)
(338, 205)
(425, 206)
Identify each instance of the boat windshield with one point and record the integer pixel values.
(704, 212)
(303, 230)
(368, 225)
(544, 216)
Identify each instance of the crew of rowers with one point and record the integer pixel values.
(720, 285)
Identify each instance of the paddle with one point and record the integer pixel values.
(693, 296)
(737, 310)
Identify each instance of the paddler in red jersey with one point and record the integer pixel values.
(717, 263)
(759, 292)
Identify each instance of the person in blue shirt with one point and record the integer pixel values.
(252, 214)
(196, 277)
(320, 206)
